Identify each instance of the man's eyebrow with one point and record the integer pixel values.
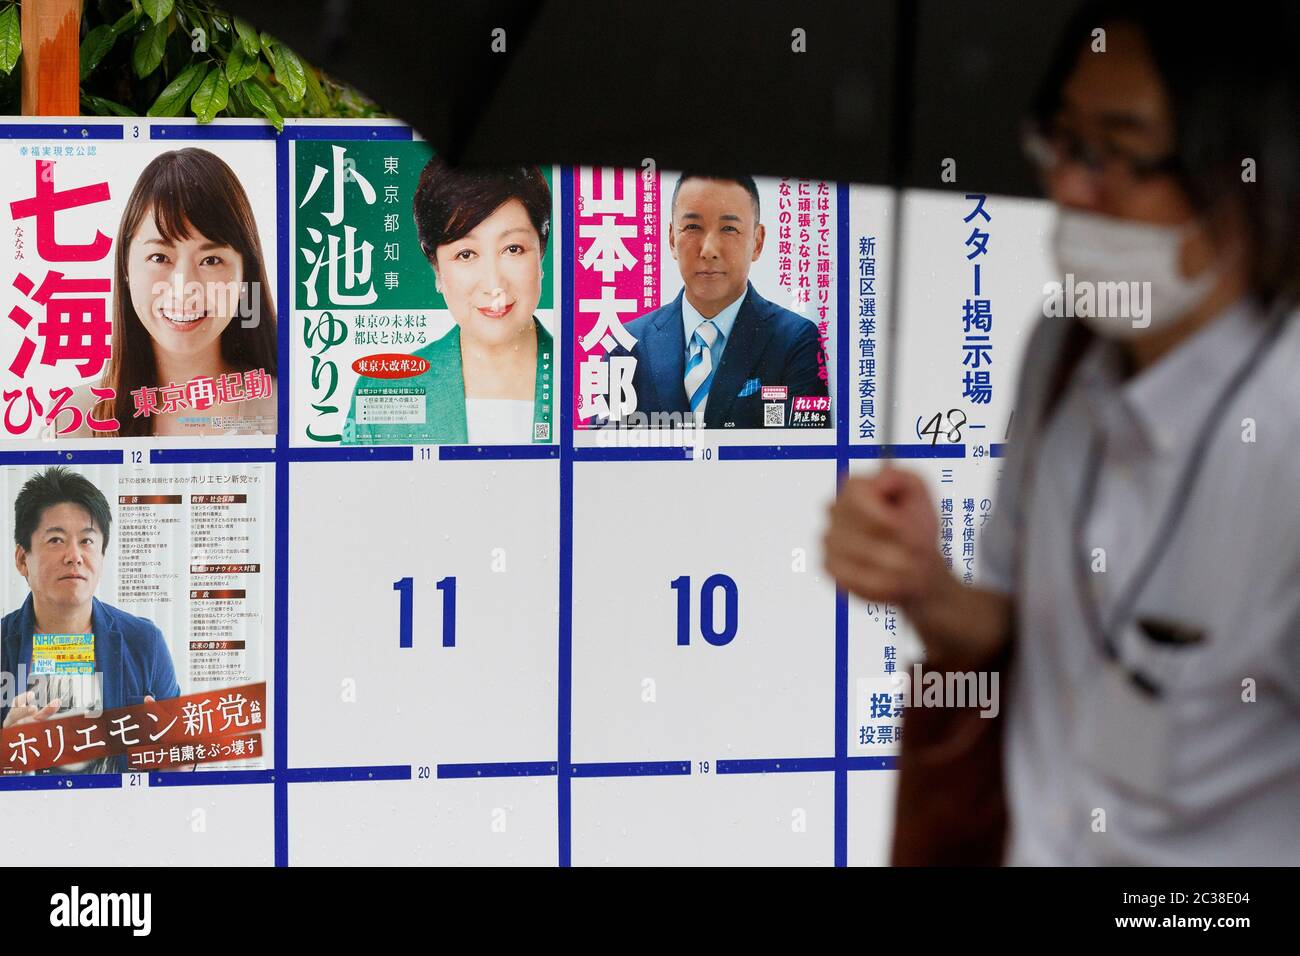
(729, 216)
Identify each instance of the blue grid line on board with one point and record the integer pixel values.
(284, 454)
(601, 453)
(95, 131)
(779, 765)
(246, 131)
(209, 778)
(348, 774)
(883, 762)
(351, 453)
(637, 768)
(280, 667)
(78, 456)
(496, 452)
(805, 765)
(71, 781)
(777, 452)
(564, 685)
(199, 456)
(841, 829)
(907, 450)
(634, 768)
(474, 771)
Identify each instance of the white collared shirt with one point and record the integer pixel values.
(724, 320)
(1231, 570)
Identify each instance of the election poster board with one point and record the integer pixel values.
(641, 244)
(484, 617)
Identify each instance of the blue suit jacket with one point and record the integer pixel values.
(769, 345)
(129, 651)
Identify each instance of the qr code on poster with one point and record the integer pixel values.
(541, 431)
(774, 415)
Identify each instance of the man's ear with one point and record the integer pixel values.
(672, 239)
(759, 235)
(20, 560)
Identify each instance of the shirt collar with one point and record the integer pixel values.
(724, 320)
(1166, 403)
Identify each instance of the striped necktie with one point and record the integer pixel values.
(699, 366)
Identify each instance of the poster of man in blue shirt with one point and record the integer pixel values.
(719, 345)
(75, 654)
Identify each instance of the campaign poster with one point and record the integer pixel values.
(704, 303)
(424, 297)
(138, 617)
(138, 283)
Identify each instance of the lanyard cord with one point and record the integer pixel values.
(1104, 631)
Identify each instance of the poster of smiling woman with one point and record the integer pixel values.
(139, 279)
(424, 297)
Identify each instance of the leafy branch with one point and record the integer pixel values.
(164, 57)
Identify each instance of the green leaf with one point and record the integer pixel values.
(289, 72)
(158, 10)
(149, 48)
(92, 104)
(11, 40)
(315, 95)
(261, 100)
(267, 44)
(95, 47)
(286, 106)
(103, 107)
(126, 21)
(211, 96)
(248, 37)
(239, 105)
(239, 65)
(178, 92)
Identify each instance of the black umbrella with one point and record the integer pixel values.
(865, 91)
(882, 91)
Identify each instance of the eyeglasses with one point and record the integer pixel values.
(1048, 146)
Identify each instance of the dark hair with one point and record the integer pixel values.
(185, 188)
(746, 181)
(450, 201)
(1234, 93)
(57, 485)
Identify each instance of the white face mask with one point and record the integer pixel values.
(1122, 278)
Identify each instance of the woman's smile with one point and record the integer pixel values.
(496, 313)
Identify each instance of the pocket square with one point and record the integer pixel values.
(749, 388)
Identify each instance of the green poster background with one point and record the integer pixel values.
(415, 289)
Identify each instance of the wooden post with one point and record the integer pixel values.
(51, 57)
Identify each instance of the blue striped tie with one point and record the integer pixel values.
(699, 366)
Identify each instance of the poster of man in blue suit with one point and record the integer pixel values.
(720, 350)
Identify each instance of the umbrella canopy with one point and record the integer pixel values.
(868, 91)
